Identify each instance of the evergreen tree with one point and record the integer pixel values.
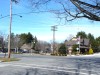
(98, 43)
(62, 49)
(82, 35)
(75, 47)
(26, 38)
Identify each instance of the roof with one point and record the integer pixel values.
(71, 43)
(84, 47)
(83, 42)
(26, 46)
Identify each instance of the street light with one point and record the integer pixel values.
(9, 37)
(9, 15)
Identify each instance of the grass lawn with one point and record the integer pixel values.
(8, 60)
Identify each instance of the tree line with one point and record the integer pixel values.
(18, 40)
(93, 42)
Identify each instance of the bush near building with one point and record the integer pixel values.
(62, 50)
(90, 51)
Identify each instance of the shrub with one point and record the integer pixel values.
(53, 54)
(62, 49)
(90, 51)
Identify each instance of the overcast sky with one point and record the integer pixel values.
(39, 24)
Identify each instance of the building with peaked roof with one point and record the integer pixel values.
(26, 46)
(84, 44)
(69, 44)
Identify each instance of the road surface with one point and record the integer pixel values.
(51, 65)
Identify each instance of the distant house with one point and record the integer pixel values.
(69, 44)
(84, 44)
(26, 46)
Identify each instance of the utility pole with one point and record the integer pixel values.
(54, 28)
(9, 38)
(79, 43)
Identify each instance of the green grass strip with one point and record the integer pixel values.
(9, 59)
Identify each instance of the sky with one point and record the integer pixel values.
(39, 24)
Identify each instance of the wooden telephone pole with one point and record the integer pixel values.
(54, 28)
(9, 39)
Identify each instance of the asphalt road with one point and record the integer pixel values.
(51, 65)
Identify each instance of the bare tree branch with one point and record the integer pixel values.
(92, 6)
(86, 13)
(90, 10)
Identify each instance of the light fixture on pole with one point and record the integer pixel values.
(9, 38)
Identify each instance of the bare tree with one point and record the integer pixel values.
(42, 45)
(70, 9)
(70, 37)
(3, 42)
